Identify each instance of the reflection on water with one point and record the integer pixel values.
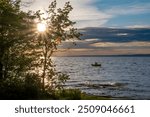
(118, 76)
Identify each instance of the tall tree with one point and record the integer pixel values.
(59, 28)
(25, 53)
(15, 33)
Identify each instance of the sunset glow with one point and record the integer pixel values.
(41, 27)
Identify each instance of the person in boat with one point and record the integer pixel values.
(96, 64)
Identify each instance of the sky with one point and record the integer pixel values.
(96, 47)
(104, 13)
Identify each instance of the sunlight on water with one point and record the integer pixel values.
(118, 77)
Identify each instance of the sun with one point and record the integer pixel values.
(41, 27)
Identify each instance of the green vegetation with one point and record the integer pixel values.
(26, 68)
(76, 94)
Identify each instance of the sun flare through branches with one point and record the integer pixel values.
(41, 27)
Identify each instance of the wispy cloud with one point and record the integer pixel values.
(138, 26)
(89, 14)
(121, 45)
(113, 51)
(84, 13)
(130, 9)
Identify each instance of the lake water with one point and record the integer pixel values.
(119, 77)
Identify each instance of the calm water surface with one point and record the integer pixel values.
(127, 77)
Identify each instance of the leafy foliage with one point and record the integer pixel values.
(26, 67)
(14, 39)
(59, 28)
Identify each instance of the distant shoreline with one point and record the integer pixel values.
(132, 55)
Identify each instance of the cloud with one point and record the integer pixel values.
(87, 15)
(92, 40)
(121, 45)
(130, 9)
(112, 51)
(138, 26)
(84, 13)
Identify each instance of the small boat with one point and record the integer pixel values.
(96, 64)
